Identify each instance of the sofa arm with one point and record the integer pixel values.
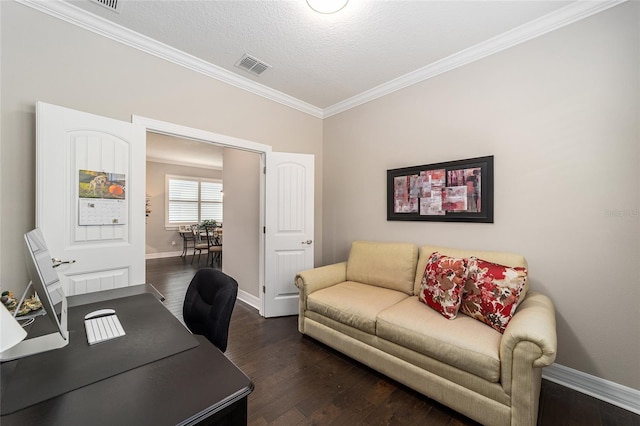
(318, 278)
(535, 323)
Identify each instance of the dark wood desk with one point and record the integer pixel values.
(197, 386)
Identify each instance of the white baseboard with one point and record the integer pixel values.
(249, 299)
(163, 255)
(605, 390)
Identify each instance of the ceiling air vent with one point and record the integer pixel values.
(113, 5)
(253, 65)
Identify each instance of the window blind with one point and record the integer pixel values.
(192, 200)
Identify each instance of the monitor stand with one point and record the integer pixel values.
(47, 342)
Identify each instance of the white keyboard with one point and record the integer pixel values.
(103, 328)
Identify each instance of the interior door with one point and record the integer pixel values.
(90, 197)
(289, 229)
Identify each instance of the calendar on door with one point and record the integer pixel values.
(101, 198)
(102, 212)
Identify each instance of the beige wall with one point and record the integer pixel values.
(242, 231)
(158, 239)
(46, 59)
(560, 115)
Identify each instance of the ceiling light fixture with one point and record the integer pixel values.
(327, 6)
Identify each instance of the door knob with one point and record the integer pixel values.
(58, 262)
(306, 242)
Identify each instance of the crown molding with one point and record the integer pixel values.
(550, 22)
(569, 14)
(79, 17)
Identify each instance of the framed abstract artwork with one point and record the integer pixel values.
(453, 191)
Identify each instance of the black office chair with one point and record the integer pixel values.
(208, 305)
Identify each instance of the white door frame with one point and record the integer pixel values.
(171, 129)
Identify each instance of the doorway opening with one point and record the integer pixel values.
(184, 184)
(243, 245)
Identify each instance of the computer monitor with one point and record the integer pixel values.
(46, 284)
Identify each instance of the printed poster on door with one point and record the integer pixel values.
(101, 198)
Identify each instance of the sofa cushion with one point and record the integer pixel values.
(443, 282)
(462, 342)
(388, 265)
(354, 304)
(493, 292)
(501, 258)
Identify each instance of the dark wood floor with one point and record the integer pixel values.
(299, 381)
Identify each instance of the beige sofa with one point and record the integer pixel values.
(368, 309)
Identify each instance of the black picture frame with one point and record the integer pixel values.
(452, 191)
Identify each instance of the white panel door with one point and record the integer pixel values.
(289, 229)
(105, 236)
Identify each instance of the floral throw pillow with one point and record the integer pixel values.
(492, 293)
(443, 283)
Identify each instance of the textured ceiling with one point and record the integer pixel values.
(324, 59)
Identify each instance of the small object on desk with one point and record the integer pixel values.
(28, 308)
(99, 313)
(102, 325)
(160, 295)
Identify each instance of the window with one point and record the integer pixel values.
(192, 200)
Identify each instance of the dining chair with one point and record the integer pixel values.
(214, 236)
(199, 242)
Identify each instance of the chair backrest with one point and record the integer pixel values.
(208, 305)
(217, 236)
(195, 230)
(214, 235)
